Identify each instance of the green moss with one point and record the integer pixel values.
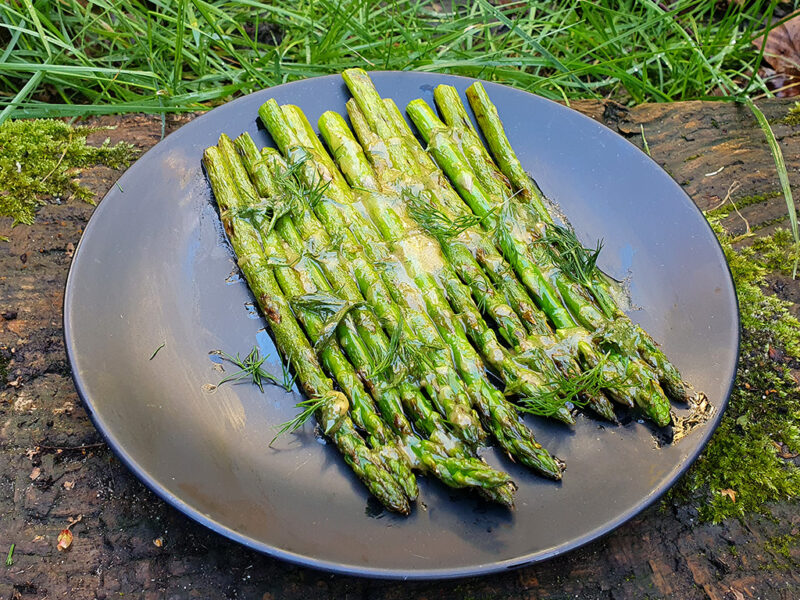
(793, 117)
(763, 417)
(780, 549)
(782, 545)
(727, 208)
(770, 222)
(777, 252)
(40, 158)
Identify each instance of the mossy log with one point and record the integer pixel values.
(54, 467)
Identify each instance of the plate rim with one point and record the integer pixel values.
(389, 573)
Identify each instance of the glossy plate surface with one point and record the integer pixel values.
(153, 267)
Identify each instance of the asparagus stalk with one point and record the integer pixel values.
(492, 128)
(304, 279)
(386, 292)
(425, 416)
(455, 115)
(624, 331)
(332, 413)
(531, 264)
(388, 212)
(361, 409)
(498, 415)
(541, 347)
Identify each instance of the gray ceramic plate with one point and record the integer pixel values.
(153, 267)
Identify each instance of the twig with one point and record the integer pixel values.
(63, 154)
(71, 448)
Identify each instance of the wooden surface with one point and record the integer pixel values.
(54, 467)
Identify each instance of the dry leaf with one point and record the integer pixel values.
(64, 539)
(729, 493)
(68, 485)
(783, 451)
(782, 53)
(736, 594)
(158, 542)
(35, 473)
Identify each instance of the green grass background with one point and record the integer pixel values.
(84, 57)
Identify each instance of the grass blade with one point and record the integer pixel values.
(783, 176)
(33, 82)
(177, 74)
(38, 24)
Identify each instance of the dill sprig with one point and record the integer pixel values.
(436, 222)
(292, 192)
(417, 353)
(391, 352)
(575, 390)
(250, 368)
(258, 209)
(299, 191)
(309, 406)
(288, 377)
(569, 254)
(332, 309)
(315, 193)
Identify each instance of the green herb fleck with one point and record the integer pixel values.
(569, 254)
(328, 307)
(153, 355)
(309, 406)
(251, 368)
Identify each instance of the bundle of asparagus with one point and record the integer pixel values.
(416, 280)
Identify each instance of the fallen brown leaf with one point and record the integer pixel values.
(64, 540)
(782, 53)
(729, 493)
(736, 594)
(68, 485)
(35, 473)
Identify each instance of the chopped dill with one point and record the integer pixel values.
(575, 390)
(391, 352)
(569, 254)
(328, 307)
(153, 355)
(250, 368)
(437, 222)
(309, 406)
